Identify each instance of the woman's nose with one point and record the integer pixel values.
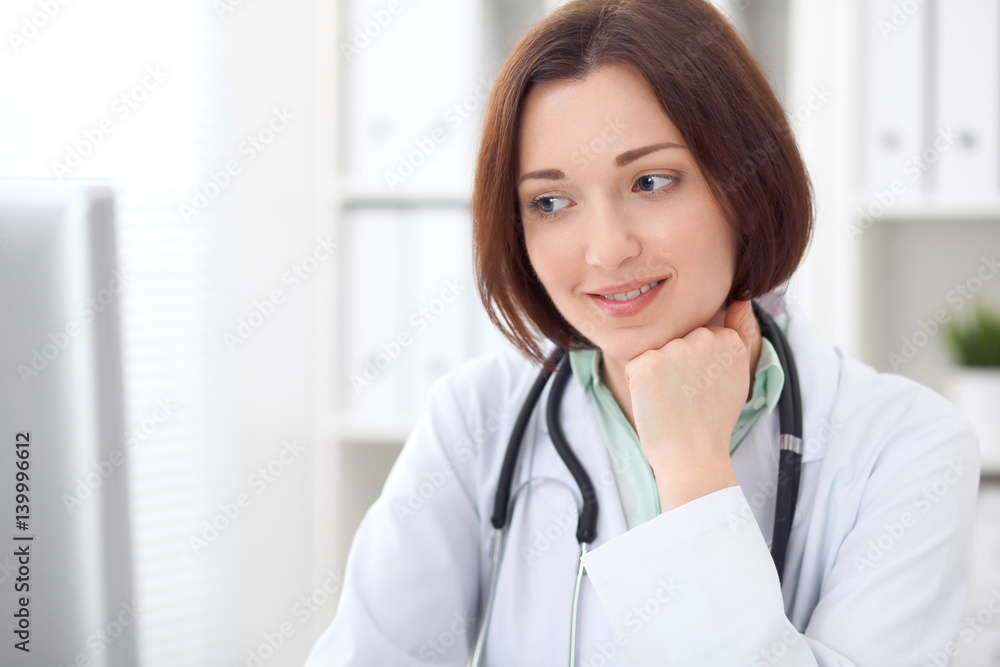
(609, 238)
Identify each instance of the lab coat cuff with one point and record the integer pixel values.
(726, 508)
(697, 581)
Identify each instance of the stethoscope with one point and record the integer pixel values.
(790, 464)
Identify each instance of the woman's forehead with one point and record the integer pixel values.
(613, 110)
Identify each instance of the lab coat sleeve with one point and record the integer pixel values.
(697, 585)
(410, 591)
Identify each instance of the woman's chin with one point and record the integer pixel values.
(627, 344)
(629, 347)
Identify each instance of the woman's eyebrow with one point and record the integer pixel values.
(544, 174)
(621, 161)
(636, 153)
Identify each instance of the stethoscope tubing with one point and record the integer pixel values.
(790, 450)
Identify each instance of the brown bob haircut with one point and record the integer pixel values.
(714, 92)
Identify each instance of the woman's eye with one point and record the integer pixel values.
(653, 182)
(548, 205)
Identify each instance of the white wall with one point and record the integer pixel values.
(275, 226)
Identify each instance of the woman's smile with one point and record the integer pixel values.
(627, 304)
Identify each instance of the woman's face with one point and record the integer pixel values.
(612, 201)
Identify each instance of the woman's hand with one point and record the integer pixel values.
(686, 398)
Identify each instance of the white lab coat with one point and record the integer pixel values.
(878, 566)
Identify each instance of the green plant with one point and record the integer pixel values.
(977, 341)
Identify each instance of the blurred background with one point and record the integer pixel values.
(291, 184)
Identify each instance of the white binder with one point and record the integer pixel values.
(440, 318)
(374, 294)
(968, 98)
(895, 90)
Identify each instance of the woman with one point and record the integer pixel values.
(637, 185)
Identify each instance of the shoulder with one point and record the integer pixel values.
(896, 412)
(486, 388)
(865, 389)
(489, 375)
(859, 411)
(894, 424)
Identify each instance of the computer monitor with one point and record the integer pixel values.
(66, 590)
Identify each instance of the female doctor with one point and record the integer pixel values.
(637, 186)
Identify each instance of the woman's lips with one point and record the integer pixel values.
(630, 307)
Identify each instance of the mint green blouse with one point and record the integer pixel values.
(633, 475)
